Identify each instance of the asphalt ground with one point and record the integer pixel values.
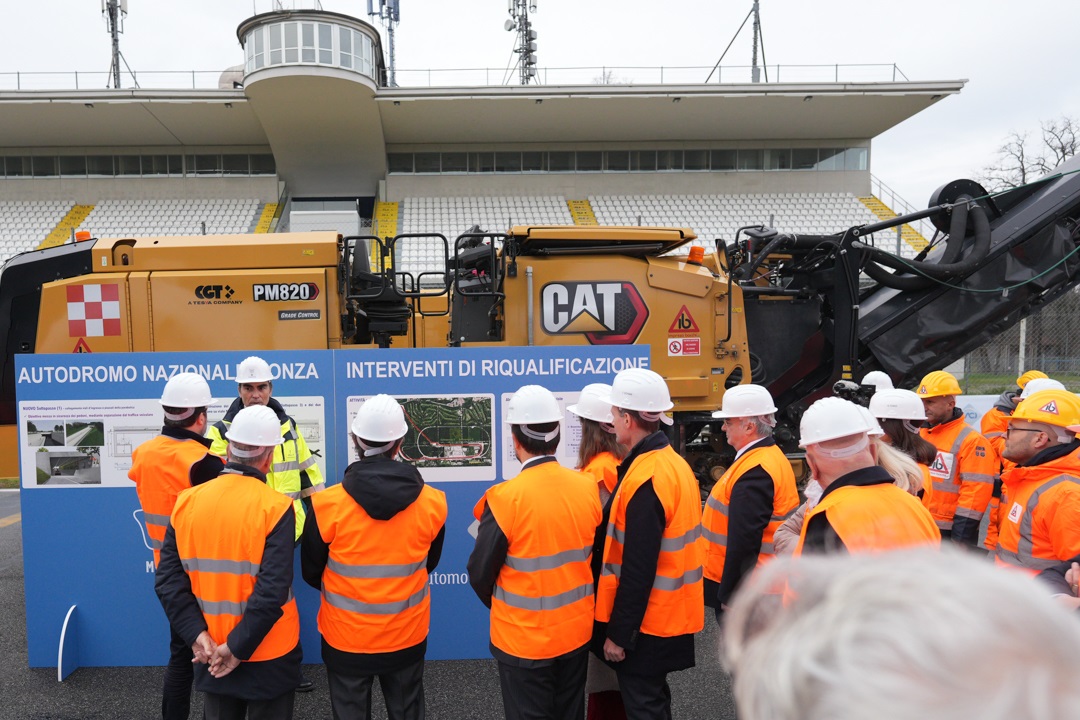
(456, 690)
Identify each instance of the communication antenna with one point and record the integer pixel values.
(115, 11)
(389, 13)
(526, 38)
(759, 39)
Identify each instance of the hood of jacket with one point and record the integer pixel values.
(383, 487)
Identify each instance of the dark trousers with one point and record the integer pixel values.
(225, 707)
(176, 688)
(646, 697)
(402, 689)
(550, 692)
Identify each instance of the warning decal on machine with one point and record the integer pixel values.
(677, 347)
(683, 324)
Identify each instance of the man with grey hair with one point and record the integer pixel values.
(750, 500)
(910, 634)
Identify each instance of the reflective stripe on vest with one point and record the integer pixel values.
(375, 571)
(544, 602)
(1024, 556)
(365, 608)
(548, 562)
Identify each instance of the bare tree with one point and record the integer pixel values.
(1021, 160)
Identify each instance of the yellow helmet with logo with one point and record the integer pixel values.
(1022, 381)
(938, 383)
(1060, 408)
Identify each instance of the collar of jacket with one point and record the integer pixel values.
(234, 468)
(872, 475)
(537, 460)
(1051, 453)
(1006, 402)
(657, 441)
(184, 434)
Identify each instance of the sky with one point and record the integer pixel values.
(1020, 60)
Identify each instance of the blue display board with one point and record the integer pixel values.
(80, 416)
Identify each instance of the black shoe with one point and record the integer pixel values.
(305, 685)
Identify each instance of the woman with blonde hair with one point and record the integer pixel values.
(599, 455)
(900, 412)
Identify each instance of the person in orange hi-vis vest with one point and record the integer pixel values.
(599, 455)
(1041, 504)
(751, 499)
(175, 460)
(861, 509)
(649, 600)
(530, 565)
(994, 426)
(369, 545)
(965, 466)
(225, 579)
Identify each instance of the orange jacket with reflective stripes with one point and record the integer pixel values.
(605, 468)
(677, 601)
(161, 468)
(963, 474)
(874, 518)
(221, 528)
(375, 595)
(542, 605)
(714, 519)
(993, 426)
(1040, 523)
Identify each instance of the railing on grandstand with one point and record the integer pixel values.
(900, 206)
(446, 77)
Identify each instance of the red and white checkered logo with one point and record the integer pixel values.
(93, 310)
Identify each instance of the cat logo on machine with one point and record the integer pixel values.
(606, 313)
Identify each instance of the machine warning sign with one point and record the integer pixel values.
(81, 346)
(680, 347)
(683, 323)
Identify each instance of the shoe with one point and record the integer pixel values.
(305, 685)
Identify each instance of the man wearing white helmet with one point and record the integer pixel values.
(225, 579)
(173, 461)
(530, 565)
(369, 545)
(649, 600)
(750, 500)
(861, 509)
(295, 471)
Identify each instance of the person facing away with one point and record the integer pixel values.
(530, 566)
(225, 580)
(161, 468)
(369, 545)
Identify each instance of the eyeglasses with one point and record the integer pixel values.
(1016, 429)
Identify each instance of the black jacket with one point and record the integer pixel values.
(383, 487)
(645, 523)
(262, 680)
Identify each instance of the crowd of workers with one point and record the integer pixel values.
(597, 579)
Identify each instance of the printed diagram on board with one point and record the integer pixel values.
(447, 431)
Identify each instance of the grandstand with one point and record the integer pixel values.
(236, 158)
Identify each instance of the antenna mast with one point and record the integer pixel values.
(389, 13)
(526, 42)
(115, 11)
(759, 39)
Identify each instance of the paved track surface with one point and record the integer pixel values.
(456, 690)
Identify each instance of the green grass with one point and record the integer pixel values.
(9, 483)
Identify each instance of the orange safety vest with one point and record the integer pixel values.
(1039, 523)
(677, 601)
(375, 593)
(874, 518)
(605, 468)
(543, 602)
(161, 468)
(963, 472)
(221, 528)
(714, 519)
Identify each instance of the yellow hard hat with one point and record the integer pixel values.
(938, 383)
(1022, 381)
(1060, 408)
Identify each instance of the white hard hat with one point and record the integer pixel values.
(533, 405)
(878, 379)
(256, 425)
(592, 403)
(380, 419)
(831, 418)
(1038, 384)
(642, 390)
(897, 405)
(186, 390)
(253, 370)
(745, 401)
(871, 422)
